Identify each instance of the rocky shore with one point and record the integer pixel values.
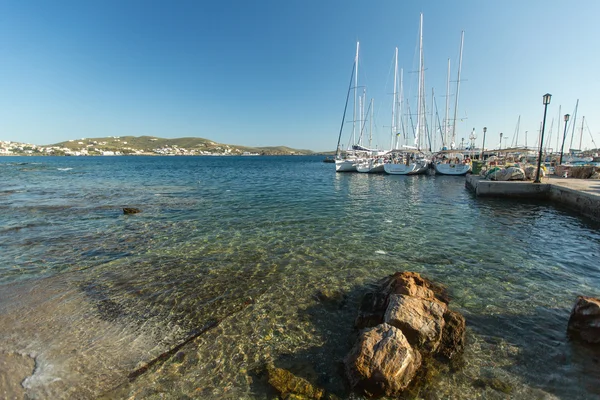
(404, 330)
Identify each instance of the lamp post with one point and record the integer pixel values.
(501, 134)
(483, 144)
(564, 136)
(546, 100)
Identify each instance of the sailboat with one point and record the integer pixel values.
(410, 160)
(452, 162)
(374, 162)
(354, 154)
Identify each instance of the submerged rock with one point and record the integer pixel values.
(131, 210)
(291, 386)
(585, 319)
(382, 362)
(493, 383)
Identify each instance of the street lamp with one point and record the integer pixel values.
(564, 136)
(483, 145)
(547, 97)
(501, 134)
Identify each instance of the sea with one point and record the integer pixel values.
(238, 263)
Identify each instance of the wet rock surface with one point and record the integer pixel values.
(584, 322)
(421, 321)
(382, 362)
(405, 324)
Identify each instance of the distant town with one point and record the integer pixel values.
(141, 145)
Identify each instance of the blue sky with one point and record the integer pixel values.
(267, 73)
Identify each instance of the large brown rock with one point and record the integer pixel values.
(382, 362)
(585, 319)
(421, 320)
(413, 284)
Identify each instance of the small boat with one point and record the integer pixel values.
(329, 160)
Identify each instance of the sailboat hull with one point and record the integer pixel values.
(415, 168)
(451, 169)
(345, 165)
(370, 166)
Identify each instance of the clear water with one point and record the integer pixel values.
(220, 274)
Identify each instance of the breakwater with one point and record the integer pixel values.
(580, 195)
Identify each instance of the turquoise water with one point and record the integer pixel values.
(221, 271)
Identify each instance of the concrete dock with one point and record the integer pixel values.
(582, 195)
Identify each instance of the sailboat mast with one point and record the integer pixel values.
(420, 94)
(517, 132)
(581, 135)
(462, 37)
(360, 119)
(549, 136)
(355, 89)
(401, 110)
(371, 124)
(394, 101)
(559, 119)
(445, 137)
(574, 123)
(432, 124)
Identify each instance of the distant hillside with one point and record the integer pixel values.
(149, 144)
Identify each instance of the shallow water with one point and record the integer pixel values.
(221, 269)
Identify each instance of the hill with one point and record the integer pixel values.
(156, 145)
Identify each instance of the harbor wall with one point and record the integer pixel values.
(587, 204)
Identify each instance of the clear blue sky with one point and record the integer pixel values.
(267, 73)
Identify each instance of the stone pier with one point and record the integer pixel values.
(582, 195)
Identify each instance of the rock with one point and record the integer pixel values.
(420, 320)
(493, 383)
(382, 362)
(330, 296)
(292, 387)
(406, 317)
(453, 335)
(372, 310)
(413, 284)
(131, 210)
(585, 319)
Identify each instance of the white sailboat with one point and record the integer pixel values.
(347, 162)
(452, 162)
(374, 162)
(410, 160)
